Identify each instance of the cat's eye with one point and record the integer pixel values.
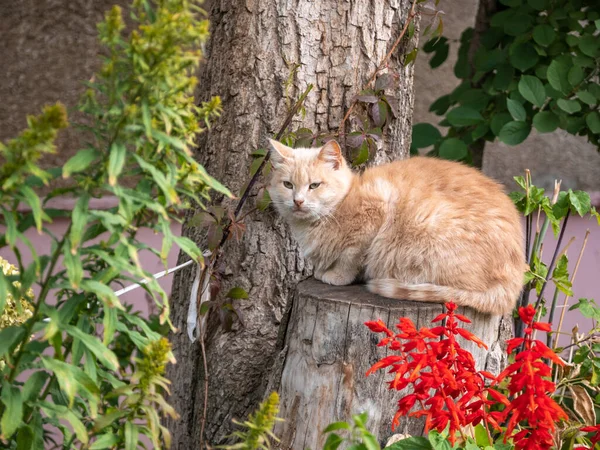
(314, 185)
(288, 185)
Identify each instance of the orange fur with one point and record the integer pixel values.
(419, 229)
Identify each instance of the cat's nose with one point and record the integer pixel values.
(298, 202)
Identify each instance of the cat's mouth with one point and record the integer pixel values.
(298, 212)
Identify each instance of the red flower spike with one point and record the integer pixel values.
(596, 437)
(532, 409)
(446, 388)
(542, 326)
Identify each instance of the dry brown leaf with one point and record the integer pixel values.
(583, 404)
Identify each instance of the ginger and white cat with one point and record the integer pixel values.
(419, 229)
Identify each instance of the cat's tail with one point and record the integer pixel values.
(500, 299)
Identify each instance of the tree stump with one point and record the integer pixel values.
(328, 350)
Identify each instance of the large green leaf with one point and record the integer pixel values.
(544, 35)
(464, 116)
(523, 56)
(411, 443)
(13, 409)
(79, 162)
(532, 90)
(424, 135)
(453, 149)
(514, 133)
(558, 75)
(516, 110)
(545, 122)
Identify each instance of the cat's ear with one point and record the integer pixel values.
(281, 154)
(331, 154)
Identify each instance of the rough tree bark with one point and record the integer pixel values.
(250, 56)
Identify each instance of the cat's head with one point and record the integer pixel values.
(308, 183)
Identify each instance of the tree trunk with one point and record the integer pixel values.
(252, 52)
(328, 350)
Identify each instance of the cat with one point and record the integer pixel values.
(421, 229)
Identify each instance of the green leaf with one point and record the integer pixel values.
(498, 121)
(78, 221)
(370, 441)
(516, 110)
(72, 379)
(532, 90)
(105, 441)
(569, 106)
(237, 293)
(411, 56)
(514, 133)
(441, 105)
(523, 56)
(560, 276)
(453, 149)
(588, 44)
(264, 201)
(593, 122)
(362, 155)
(481, 436)
(189, 247)
(576, 75)
(504, 76)
(424, 135)
(558, 75)
(116, 161)
(586, 97)
(580, 202)
(9, 338)
(544, 35)
(36, 206)
(538, 5)
(464, 116)
(104, 355)
(131, 436)
(103, 292)
(13, 409)
(33, 385)
(79, 162)
(411, 443)
(337, 426)
(438, 442)
(25, 438)
(333, 442)
(72, 263)
(545, 122)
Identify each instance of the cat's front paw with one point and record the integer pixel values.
(337, 279)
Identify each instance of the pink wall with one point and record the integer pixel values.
(586, 283)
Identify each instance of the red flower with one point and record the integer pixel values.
(596, 437)
(532, 408)
(449, 391)
(445, 384)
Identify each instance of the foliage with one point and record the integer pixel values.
(536, 66)
(258, 431)
(94, 368)
(355, 435)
